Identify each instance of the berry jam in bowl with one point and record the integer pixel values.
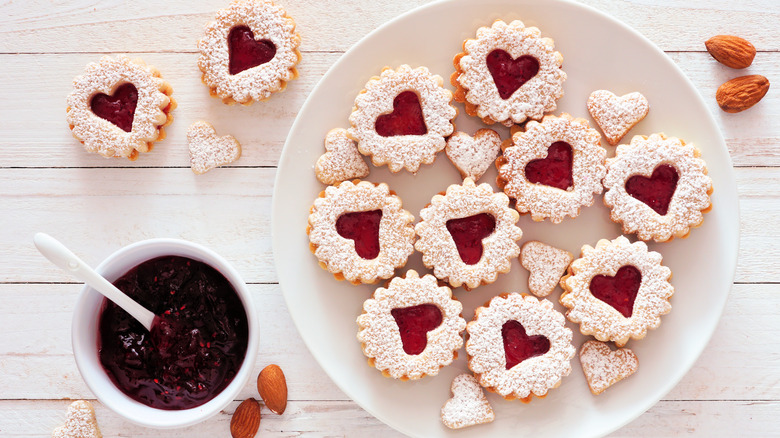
(202, 346)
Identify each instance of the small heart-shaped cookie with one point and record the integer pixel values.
(473, 155)
(603, 367)
(80, 423)
(468, 405)
(341, 161)
(545, 264)
(208, 151)
(617, 115)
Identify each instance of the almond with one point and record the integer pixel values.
(741, 93)
(246, 419)
(272, 387)
(732, 51)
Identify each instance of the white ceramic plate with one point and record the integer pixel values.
(598, 52)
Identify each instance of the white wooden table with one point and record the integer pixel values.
(48, 183)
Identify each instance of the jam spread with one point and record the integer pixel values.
(656, 191)
(468, 233)
(196, 345)
(553, 170)
(406, 118)
(363, 228)
(414, 323)
(518, 346)
(510, 74)
(246, 52)
(118, 108)
(618, 291)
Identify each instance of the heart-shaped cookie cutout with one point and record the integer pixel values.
(656, 191)
(603, 367)
(80, 422)
(468, 232)
(508, 73)
(118, 108)
(473, 155)
(341, 160)
(468, 405)
(208, 151)
(414, 323)
(617, 115)
(545, 264)
(406, 118)
(553, 170)
(246, 52)
(519, 346)
(619, 291)
(363, 228)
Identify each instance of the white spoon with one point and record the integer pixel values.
(61, 256)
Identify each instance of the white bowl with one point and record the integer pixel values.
(85, 330)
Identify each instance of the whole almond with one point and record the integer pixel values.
(732, 51)
(741, 93)
(272, 386)
(246, 419)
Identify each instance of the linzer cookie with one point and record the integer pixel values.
(468, 405)
(341, 160)
(617, 290)
(411, 328)
(508, 74)
(603, 367)
(249, 52)
(519, 346)
(80, 422)
(119, 107)
(207, 150)
(617, 115)
(359, 232)
(473, 155)
(545, 264)
(468, 235)
(657, 187)
(553, 168)
(402, 118)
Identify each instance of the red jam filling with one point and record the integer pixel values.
(656, 191)
(468, 233)
(118, 108)
(406, 118)
(553, 170)
(246, 52)
(518, 346)
(414, 323)
(363, 228)
(196, 345)
(618, 291)
(508, 73)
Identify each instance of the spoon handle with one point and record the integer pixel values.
(61, 256)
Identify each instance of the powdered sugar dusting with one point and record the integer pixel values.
(641, 157)
(535, 97)
(598, 318)
(473, 155)
(341, 161)
(438, 248)
(546, 265)
(617, 115)
(468, 405)
(533, 376)
(338, 254)
(603, 367)
(381, 339)
(267, 21)
(587, 167)
(80, 422)
(208, 151)
(151, 111)
(402, 151)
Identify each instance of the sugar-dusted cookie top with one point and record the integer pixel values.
(473, 155)
(468, 405)
(341, 160)
(545, 264)
(80, 422)
(207, 150)
(604, 367)
(617, 115)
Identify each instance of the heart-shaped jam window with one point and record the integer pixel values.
(406, 118)
(618, 291)
(508, 73)
(656, 191)
(414, 323)
(468, 233)
(246, 52)
(363, 228)
(553, 170)
(118, 108)
(518, 346)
